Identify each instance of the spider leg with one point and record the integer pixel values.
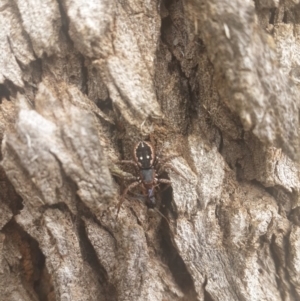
(129, 178)
(164, 181)
(131, 162)
(152, 139)
(155, 209)
(128, 162)
(165, 160)
(160, 165)
(131, 186)
(119, 173)
(174, 169)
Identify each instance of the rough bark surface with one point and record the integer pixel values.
(215, 82)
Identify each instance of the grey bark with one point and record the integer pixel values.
(215, 82)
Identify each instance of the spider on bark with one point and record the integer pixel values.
(148, 169)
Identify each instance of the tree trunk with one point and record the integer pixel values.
(214, 83)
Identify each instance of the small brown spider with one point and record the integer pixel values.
(148, 169)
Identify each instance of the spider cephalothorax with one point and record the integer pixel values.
(148, 171)
(144, 155)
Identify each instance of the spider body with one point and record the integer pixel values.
(148, 169)
(144, 156)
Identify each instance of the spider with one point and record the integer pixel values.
(148, 169)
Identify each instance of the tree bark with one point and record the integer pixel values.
(214, 83)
